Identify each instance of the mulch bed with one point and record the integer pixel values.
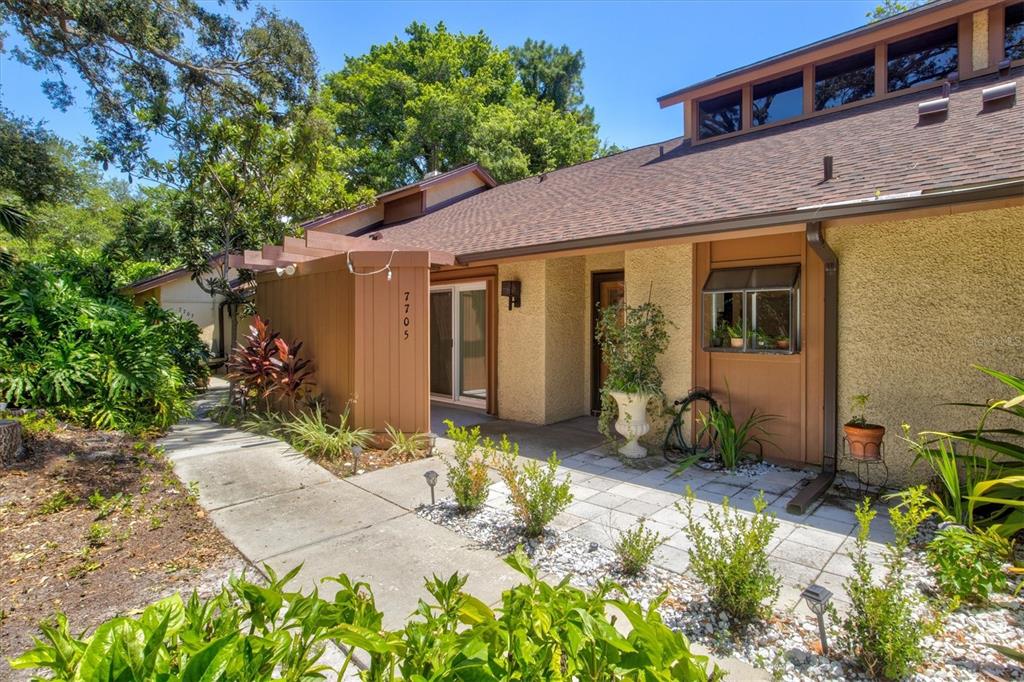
(365, 462)
(63, 547)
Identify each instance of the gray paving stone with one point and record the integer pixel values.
(639, 508)
(802, 554)
(821, 539)
(598, 483)
(660, 498)
(608, 500)
(581, 492)
(596, 531)
(628, 490)
(566, 521)
(714, 492)
(672, 558)
(586, 510)
(793, 574)
(834, 584)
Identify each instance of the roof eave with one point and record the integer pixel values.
(843, 209)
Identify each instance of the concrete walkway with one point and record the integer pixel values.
(279, 508)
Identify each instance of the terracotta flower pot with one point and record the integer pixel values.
(736, 343)
(865, 442)
(782, 344)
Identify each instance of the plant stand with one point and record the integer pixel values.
(865, 467)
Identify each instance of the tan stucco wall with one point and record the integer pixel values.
(664, 275)
(920, 301)
(184, 297)
(355, 221)
(449, 189)
(566, 320)
(521, 336)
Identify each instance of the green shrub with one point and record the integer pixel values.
(57, 502)
(405, 444)
(730, 556)
(969, 566)
(467, 468)
(260, 632)
(313, 436)
(37, 423)
(733, 440)
(534, 491)
(97, 362)
(635, 547)
(883, 628)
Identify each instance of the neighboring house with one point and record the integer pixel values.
(859, 201)
(175, 290)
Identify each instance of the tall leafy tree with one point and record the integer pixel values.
(230, 100)
(552, 74)
(889, 8)
(437, 100)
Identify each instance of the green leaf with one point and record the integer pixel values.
(210, 662)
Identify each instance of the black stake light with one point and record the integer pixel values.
(817, 598)
(431, 477)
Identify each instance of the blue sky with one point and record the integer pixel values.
(634, 51)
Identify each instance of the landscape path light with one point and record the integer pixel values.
(818, 598)
(431, 477)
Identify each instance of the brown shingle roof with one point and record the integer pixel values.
(878, 147)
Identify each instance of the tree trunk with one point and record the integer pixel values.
(10, 442)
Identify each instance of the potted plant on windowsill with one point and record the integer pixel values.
(631, 339)
(782, 342)
(863, 438)
(735, 334)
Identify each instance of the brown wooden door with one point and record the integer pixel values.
(608, 288)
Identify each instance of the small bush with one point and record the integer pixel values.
(57, 502)
(97, 534)
(467, 468)
(635, 548)
(405, 444)
(969, 566)
(534, 491)
(731, 557)
(885, 623)
(36, 423)
(313, 436)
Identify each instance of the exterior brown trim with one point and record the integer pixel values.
(963, 19)
(930, 15)
(1010, 188)
(596, 279)
(817, 487)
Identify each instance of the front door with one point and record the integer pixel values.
(458, 343)
(608, 288)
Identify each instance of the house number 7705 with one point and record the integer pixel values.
(405, 315)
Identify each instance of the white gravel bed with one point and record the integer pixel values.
(785, 645)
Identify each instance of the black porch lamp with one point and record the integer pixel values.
(513, 290)
(817, 598)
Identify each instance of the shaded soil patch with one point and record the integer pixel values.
(365, 462)
(95, 524)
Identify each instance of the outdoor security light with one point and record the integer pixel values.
(286, 270)
(817, 598)
(513, 290)
(431, 477)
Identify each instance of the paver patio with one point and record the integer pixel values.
(610, 495)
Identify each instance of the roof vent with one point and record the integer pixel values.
(827, 163)
(932, 107)
(999, 92)
(431, 174)
(376, 236)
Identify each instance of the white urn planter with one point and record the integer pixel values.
(632, 422)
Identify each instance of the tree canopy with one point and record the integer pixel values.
(437, 100)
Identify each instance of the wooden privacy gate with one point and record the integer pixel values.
(361, 310)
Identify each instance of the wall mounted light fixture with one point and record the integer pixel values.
(286, 270)
(513, 290)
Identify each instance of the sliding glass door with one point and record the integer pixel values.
(458, 343)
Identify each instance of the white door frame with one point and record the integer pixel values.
(455, 398)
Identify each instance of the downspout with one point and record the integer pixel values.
(803, 500)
